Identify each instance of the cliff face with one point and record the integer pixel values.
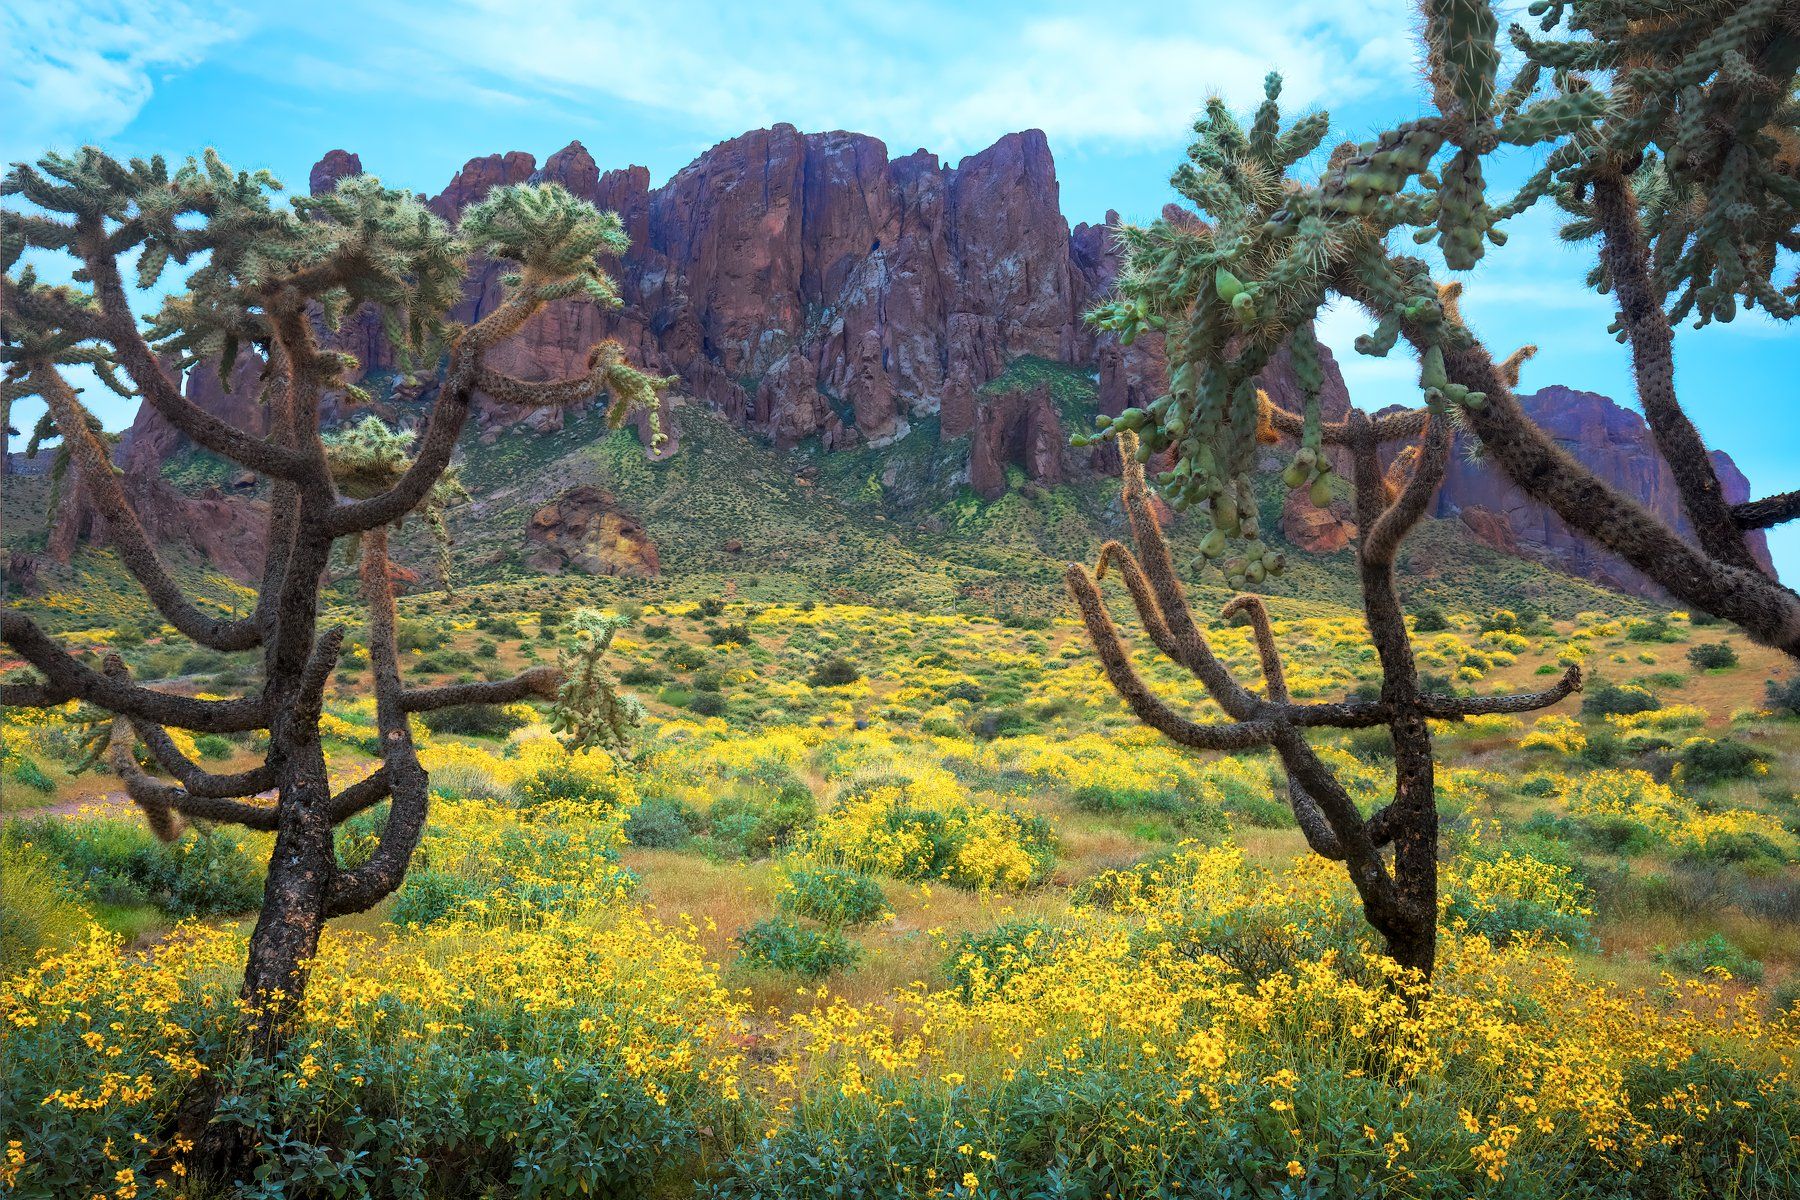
(811, 285)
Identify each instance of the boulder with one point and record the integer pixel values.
(584, 530)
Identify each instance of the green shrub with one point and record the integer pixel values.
(1783, 696)
(832, 896)
(1617, 699)
(1714, 952)
(707, 704)
(782, 945)
(758, 824)
(725, 634)
(987, 958)
(1431, 619)
(474, 720)
(833, 672)
(1712, 656)
(42, 911)
(685, 657)
(660, 823)
(566, 782)
(120, 862)
(1702, 762)
(28, 774)
(213, 746)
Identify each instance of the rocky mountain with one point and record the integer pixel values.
(811, 286)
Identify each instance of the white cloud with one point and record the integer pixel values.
(949, 76)
(82, 72)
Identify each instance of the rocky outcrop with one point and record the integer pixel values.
(584, 530)
(813, 286)
(1314, 529)
(807, 284)
(1016, 428)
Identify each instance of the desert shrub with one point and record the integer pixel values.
(663, 823)
(1431, 619)
(1504, 893)
(929, 827)
(685, 657)
(500, 626)
(982, 961)
(643, 675)
(119, 862)
(43, 912)
(1652, 629)
(410, 634)
(1783, 696)
(835, 671)
(27, 773)
(477, 720)
(1123, 797)
(709, 608)
(1604, 699)
(1261, 811)
(1714, 952)
(653, 632)
(213, 746)
(1702, 762)
(757, 823)
(832, 896)
(1712, 656)
(573, 780)
(707, 704)
(737, 632)
(602, 1089)
(781, 944)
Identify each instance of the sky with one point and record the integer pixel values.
(417, 89)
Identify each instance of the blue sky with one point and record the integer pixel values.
(418, 88)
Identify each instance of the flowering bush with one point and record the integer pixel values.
(928, 827)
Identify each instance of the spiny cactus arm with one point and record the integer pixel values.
(1624, 255)
(365, 793)
(1351, 839)
(135, 549)
(1382, 542)
(1149, 708)
(1338, 714)
(134, 353)
(443, 426)
(161, 803)
(1762, 607)
(1391, 427)
(1190, 646)
(1142, 597)
(1450, 708)
(1767, 512)
(537, 681)
(33, 695)
(197, 780)
(65, 675)
(1257, 613)
(406, 782)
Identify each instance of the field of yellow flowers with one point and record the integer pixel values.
(895, 903)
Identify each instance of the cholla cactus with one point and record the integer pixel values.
(590, 710)
(269, 276)
(1400, 900)
(1667, 131)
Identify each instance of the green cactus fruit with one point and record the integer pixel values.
(1229, 286)
(1214, 544)
(1294, 475)
(1321, 493)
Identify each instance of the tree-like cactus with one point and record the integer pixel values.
(274, 276)
(1399, 898)
(1667, 132)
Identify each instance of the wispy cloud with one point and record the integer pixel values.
(946, 75)
(79, 73)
